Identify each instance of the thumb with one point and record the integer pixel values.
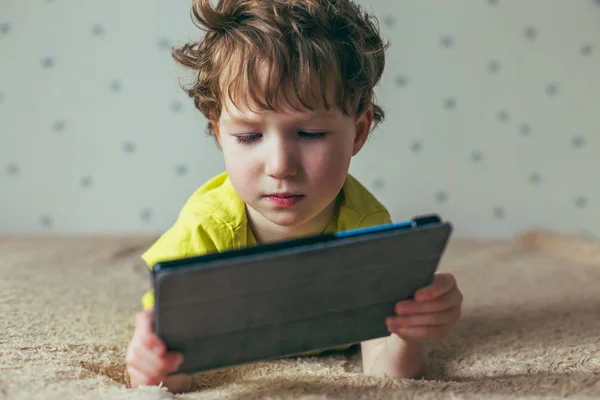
(143, 319)
(175, 360)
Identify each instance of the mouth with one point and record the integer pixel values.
(284, 199)
(283, 194)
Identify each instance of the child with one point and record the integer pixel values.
(287, 88)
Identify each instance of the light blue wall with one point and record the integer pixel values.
(493, 114)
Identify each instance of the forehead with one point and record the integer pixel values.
(244, 114)
(266, 88)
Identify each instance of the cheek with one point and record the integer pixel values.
(241, 169)
(328, 168)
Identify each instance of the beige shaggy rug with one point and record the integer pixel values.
(530, 327)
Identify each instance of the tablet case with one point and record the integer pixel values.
(284, 299)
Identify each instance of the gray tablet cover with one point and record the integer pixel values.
(243, 306)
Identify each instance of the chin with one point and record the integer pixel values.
(289, 220)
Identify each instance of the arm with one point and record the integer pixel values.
(190, 236)
(175, 384)
(178, 383)
(394, 357)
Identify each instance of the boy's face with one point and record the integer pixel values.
(289, 166)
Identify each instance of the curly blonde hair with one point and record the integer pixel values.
(325, 52)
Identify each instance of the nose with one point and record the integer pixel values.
(282, 160)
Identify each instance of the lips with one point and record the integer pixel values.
(283, 194)
(284, 199)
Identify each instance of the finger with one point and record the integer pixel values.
(450, 299)
(446, 317)
(146, 333)
(151, 364)
(422, 333)
(174, 360)
(143, 317)
(442, 283)
(141, 359)
(137, 378)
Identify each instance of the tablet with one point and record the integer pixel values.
(284, 299)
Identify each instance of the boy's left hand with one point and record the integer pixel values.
(431, 315)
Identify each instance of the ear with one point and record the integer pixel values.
(363, 128)
(215, 127)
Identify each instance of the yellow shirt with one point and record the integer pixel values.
(214, 220)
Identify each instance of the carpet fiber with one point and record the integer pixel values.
(530, 327)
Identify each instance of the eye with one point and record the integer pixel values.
(312, 135)
(245, 139)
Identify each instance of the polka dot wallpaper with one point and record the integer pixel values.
(492, 116)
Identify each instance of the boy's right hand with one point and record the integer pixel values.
(148, 362)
